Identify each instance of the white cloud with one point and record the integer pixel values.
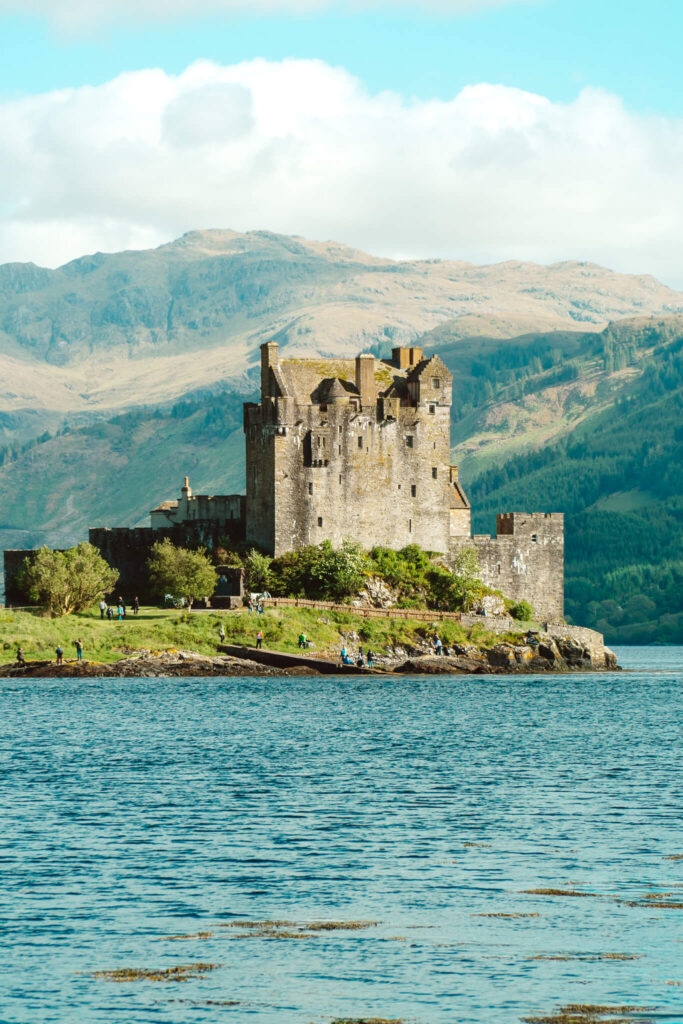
(79, 15)
(300, 147)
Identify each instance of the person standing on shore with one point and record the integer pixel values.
(370, 656)
(259, 640)
(21, 660)
(60, 654)
(79, 649)
(103, 608)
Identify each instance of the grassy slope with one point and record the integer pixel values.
(161, 629)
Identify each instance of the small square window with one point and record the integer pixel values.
(436, 382)
(310, 488)
(320, 520)
(409, 441)
(413, 491)
(435, 472)
(432, 409)
(360, 442)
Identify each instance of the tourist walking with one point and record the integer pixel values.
(21, 660)
(79, 649)
(103, 608)
(370, 656)
(120, 611)
(136, 605)
(60, 654)
(259, 608)
(259, 640)
(221, 633)
(438, 648)
(251, 607)
(110, 612)
(122, 607)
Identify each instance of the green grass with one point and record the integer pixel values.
(163, 629)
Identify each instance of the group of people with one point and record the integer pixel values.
(258, 607)
(107, 611)
(362, 660)
(59, 651)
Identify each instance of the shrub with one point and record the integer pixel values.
(257, 574)
(320, 572)
(522, 611)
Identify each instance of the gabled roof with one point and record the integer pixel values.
(166, 506)
(303, 377)
(458, 497)
(434, 364)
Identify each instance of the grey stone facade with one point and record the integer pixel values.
(352, 449)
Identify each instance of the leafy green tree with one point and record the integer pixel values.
(257, 574)
(466, 581)
(181, 572)
(62, 582)
(320, 572)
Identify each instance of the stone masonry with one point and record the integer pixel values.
(352, 449)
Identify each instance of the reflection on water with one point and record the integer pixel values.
(433, 850)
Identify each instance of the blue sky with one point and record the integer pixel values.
(540, 129)
(553, 47)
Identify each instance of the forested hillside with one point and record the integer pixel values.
(618, 475)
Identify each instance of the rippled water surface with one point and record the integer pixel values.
(138, 809)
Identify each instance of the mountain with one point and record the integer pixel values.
(124, 372)
(110, 332)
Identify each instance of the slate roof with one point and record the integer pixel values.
(302, 377)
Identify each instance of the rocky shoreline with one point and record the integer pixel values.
(550, 654)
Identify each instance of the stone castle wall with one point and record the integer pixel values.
(525, 560)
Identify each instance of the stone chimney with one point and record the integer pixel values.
(269, 357)
(365, 379)
(186, 489)
(405, 358)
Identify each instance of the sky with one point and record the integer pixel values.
(482, 130)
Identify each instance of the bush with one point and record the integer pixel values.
(62, 582)
(257, 574)
(320, 572)
(522, 611)
(181, 572)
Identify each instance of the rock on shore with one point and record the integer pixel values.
(145, 664)
(551, 654)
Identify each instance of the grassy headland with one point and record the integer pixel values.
(156, 629)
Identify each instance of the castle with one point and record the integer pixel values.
(352, 449)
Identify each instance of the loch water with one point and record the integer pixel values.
(136, 809)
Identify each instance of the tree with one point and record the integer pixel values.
(62, 582)
(181, 572)
(466, 582)
(257, 575)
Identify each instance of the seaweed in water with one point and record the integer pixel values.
(183, 972)
(293, 929)
(557, 892)
(367, 1020)
(506, 917)
(587, 957)
(195, 935)
(588, 1013)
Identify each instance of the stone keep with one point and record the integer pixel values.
(352, 449)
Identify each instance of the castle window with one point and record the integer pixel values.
(340, 478)
(436, 382)
(339, 447)
(534, 538)
(413, 491)
(310, 488)
(435, 472)
(410, 526)
(341, 429)
(432, 409)
(409, 441)
(320, 520)
(360, 442)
